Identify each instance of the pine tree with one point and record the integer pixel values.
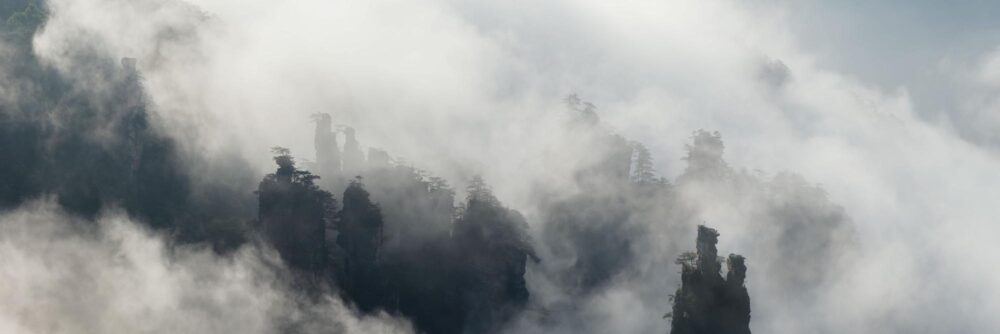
(643, 172)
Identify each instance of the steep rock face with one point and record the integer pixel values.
(592, 234)
(706, 303)
(327, 149)
(360, 236)
(798, 229)
(293, 215)
(495, 248)
(94, 141)
(398, 243)
(353, 157)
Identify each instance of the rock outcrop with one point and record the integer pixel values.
(706, 303)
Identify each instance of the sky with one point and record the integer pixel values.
(890, 106)
(929, 48)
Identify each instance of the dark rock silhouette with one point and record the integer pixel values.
(354, 158)
(327, 150)
(495, 248)
(97, 143)
(706, 303)
(398, 243)
(791, 217)
(360, 235)
(598, 230)
(293, 214)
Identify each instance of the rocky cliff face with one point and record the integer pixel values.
(707, 303)
(293, 215)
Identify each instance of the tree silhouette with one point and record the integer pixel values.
(294, 213)
(360, 236)
(705, 157)
(496, 248)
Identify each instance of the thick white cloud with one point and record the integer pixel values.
(64, 275)
(461, 88)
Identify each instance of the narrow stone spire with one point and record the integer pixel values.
(706, 303)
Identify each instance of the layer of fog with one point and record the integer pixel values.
(460, 88)
(64, 275)
(938, 52)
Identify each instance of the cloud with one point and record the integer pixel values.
(463, 88)
(65, 275)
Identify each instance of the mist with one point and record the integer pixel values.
(63, 276)
(862, 198)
